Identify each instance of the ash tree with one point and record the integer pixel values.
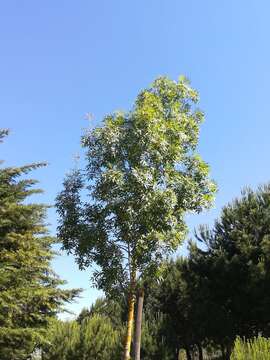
(124, 211)
(30, 295)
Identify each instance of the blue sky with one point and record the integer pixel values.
(62, 59)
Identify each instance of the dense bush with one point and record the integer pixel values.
(95, 338)
(257, 349)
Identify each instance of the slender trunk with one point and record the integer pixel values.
(228, 352)
(131, 302)
(188, 354)
(138, 332)
(200, 350)
(223, 352)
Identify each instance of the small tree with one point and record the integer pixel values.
(29, 290)
(63, 341)
(99, 340)
(95, 338)
(142, 175)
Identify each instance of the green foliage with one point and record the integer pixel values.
(29, 291)
(63, 341)
(125, 212)
(215, 294)
(154, 346)
(176, 298)
(153, 341)
(94, 339)
(99, 340)
(142, 175)
(229, 277)
(256, 349)
(18, 343)
(114, 310)
(238, 264)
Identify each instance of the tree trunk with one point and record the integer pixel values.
(200, 350)
(228, 352)
(131, 302)
(138, 332)
(188, 354)
(223, 352)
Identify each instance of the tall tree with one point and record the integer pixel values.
(142, 175)
(238, 249)
(29, 290)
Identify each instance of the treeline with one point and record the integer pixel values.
(123, 214)
(201, 303)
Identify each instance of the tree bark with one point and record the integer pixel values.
(131, 302)
(138, 332)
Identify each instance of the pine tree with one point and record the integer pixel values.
(29, 290)
(235, 268)
(95, 338)
(64, 341)
(99, 339)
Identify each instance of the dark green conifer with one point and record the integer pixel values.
(29, 290)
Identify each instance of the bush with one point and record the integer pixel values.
(63, 341)
(93, 339)
(99, 340)
(256, 349)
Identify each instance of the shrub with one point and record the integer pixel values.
(256, 349)
(93, 339)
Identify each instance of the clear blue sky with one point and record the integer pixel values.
(61, 59)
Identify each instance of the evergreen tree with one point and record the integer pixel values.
(114, 310)
(94, 339)
(235, 268)
(29, 290)
(99, 339)
(154, 342)
(63, 341)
